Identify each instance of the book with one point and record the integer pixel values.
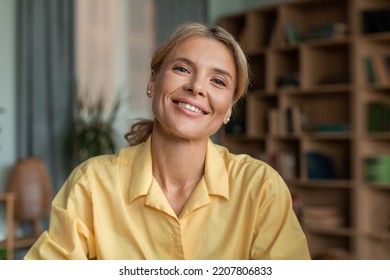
(273, 122)
(293, 35)
(375, 21)
(381, 69)
(371, 76)
(377, 169)
(378, 117)
(294, 120)
(320, 166)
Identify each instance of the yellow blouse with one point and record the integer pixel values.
(111, 207)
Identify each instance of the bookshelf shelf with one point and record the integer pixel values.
(340, 231)
(309, 101)
(343, 184)
(378, 37)
(343, 40)
(379, 187)
(378, 135)
(336, 136)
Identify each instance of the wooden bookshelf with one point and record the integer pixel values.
(308, 105)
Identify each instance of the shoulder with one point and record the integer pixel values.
(103, 167)
(243, 164)
(125, 155)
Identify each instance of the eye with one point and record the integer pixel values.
(219, 82)
(181, 69)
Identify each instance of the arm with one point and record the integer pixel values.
(278, 234)
(70, 234)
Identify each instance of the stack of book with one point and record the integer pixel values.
(377, 68)
(325, 216)
(326, 31)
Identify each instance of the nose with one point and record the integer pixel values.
(196, 85)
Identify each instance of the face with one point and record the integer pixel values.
(193, 89)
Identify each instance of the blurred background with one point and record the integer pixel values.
(73, 76)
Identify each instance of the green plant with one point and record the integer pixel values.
(93, 131)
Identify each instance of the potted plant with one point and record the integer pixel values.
(93, 131)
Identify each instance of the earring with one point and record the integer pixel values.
(149, 91)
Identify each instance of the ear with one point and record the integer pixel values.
(150, 88)
(228, 114)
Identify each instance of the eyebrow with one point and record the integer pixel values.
(218, 70)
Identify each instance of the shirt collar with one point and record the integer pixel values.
(215, 177)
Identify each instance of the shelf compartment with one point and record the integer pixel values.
(325, 246)
(374, 222)
(377, 247)
(326, 160)
(375, 22)
(374, 62)
(258, 65)
(325, 65)
(283, 155)
(309, 20)
(235, 24)
(327, 113)
(283, 69)
(262, 23)
(258, 109)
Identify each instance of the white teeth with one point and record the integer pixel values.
(190, 107)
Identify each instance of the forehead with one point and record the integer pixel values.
(206, 50)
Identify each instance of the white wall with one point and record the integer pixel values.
(7, 96)
(7, 88)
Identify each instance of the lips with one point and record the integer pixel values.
(190, 107)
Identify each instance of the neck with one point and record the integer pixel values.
(178, 166)
(177, 160)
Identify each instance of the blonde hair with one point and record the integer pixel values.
(141, 130)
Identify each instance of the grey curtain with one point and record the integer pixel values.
(171, 13)
(45, 82)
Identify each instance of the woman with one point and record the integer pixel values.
(174, 194)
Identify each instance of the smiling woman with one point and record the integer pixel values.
(173, 194)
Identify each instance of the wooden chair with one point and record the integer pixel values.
(28, 197)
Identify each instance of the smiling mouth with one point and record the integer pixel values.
(190, 107)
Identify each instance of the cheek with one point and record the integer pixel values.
(222, 103)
